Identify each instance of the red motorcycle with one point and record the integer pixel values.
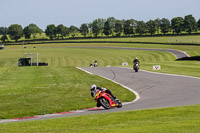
(106, 100)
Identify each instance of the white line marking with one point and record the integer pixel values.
(79, 111)
(84, 70)
(183, 52)
(136, 94)
(7, 120)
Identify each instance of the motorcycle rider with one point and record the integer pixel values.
(94, 89)
(95, 63)
(135, 61)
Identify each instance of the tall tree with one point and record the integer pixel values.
(118, 28)
(151, 27)
(84, 29)
(106, 29)
(141, 27)
(190, 23)
(164, 25)
(73, 30)
(123, 21)
(51, 31)
(133, 25)
(34, 29)
(90, 29)
(62, 30)
(31, 29)
(177, 24)
(4, 38)
(198, 22)
(27, 32)
(100, 23)
(3, 30)
(157, 25)
(128, 28)
(15, 31)
(111, 21)
(95, 28)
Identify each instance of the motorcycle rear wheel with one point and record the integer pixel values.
(105, 103)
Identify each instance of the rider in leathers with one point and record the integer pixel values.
(135, 61)
(94, 89)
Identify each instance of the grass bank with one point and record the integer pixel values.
(67, 56)
(168, 120)
(173, 39)
(195, 39)
(26, 91)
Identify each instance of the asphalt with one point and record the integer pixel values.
(178, 54)
(155, 90)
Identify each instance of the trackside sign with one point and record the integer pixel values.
(125, 64)
(157, 67)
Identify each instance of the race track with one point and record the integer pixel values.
(155, 90)
(176, 53)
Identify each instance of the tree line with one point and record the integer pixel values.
(105, 27)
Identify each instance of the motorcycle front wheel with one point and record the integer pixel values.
(119, 104)
(105, 103)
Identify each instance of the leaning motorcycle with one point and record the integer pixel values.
(136, 67)
(106, 100)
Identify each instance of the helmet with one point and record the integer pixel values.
(136, 58)
(93, 87)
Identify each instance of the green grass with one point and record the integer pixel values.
(193, 39)
(184, 119)
(167, 39)
(24, 90)
(192, 50)
(28, 91)
(83, 57)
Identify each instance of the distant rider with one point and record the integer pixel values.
(135, 61)
(94, 89)
(95, 63)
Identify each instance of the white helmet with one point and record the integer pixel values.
(93, 87)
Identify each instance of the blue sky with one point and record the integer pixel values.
(77, 12)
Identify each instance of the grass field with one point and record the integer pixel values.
(192, 39)
(26, 91)
(115, 57)
(165, 39)
(184, 119)
(21, 86)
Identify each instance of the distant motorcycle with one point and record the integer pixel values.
(95, 64)
(106, 100)
(136, 67)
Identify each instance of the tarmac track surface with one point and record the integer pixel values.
(155, 90)
(176, 53)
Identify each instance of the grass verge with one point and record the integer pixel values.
(183, 119)
(28, 91)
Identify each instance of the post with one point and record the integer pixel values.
(37, 58)
(31, 59)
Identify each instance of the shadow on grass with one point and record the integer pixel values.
(193, 58)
